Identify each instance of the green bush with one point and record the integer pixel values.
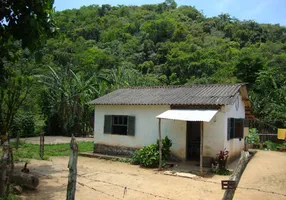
(28, 125)
(25, 124)
(149, 156)
(269, 145)
(166, 145)
(253, 137)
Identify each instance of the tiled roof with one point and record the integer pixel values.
(211, 94)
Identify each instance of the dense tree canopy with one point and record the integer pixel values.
(24, 28)
(117, 46)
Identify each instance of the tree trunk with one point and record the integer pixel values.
(71, 188)
(27, 180)
(3, 169)
(10, 169)
(245, 157)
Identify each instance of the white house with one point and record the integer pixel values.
(212, 115)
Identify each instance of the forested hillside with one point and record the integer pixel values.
(101, 48)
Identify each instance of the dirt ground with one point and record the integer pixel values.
(103, 179)
(265, 172)
(53, 139)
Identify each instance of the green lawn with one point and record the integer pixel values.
(31, 151)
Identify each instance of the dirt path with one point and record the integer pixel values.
(265, 172)
(102, 179)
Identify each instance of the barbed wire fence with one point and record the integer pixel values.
(125, 188)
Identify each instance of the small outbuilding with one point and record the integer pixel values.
(199, 119)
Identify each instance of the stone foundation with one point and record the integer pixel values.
(207, 161)
(233, 157)
(113, 150)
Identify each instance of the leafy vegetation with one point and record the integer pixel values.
(273, 146)
(24, 27)
(224, 172)
(219, 163)
(101, 48)
(253, 137)
(148, 156)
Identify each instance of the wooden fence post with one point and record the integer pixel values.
(18, 139)
(201, 147)
(160, 146)
(71, 188)
(236, 175)
(42, 144)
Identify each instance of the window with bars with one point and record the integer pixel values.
(235, 128)
(119, 124)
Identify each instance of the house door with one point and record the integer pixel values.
(193, 141)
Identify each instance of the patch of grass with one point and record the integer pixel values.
(31, 151)
(10, 197)
(224, 172)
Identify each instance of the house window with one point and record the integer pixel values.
(235, 128)
(119, 125)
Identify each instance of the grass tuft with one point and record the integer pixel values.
(32, 151)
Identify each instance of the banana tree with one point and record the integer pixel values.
(66, 96)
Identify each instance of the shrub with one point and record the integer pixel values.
(24, 124)
(253, 137)
(166, 145)
(223, 172)
(28, 125)
(219, 164)
(149, 156)
(271, 145)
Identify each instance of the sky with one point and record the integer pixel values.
(262, 11)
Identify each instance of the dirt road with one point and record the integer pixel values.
(102, 179)
(265, 172)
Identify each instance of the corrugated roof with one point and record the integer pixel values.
(211, 94)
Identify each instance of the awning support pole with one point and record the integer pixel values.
(160, 146)
(201, 148)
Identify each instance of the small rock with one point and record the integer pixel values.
(17, 189)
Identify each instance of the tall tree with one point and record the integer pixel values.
(31, 23)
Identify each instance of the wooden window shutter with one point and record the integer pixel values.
(107, 124)
(131, 125)
(239, 128)
(228, 128)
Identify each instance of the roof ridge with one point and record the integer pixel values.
(183, 86)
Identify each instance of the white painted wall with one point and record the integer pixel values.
(176, 131)
(214, 135)
(234, 146)
(146, 127)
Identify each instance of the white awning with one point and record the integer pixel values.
(188, 115)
